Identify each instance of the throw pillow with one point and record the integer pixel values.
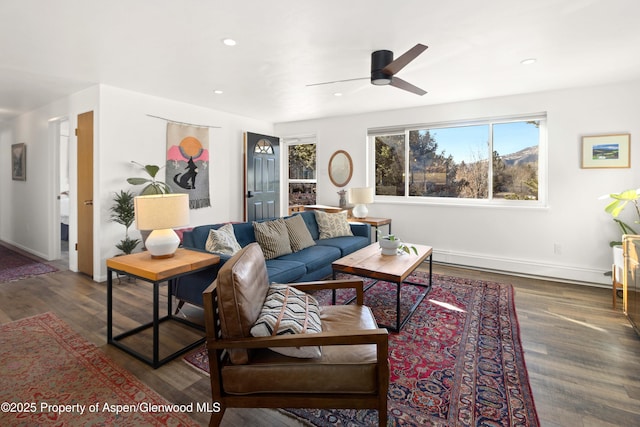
(333, 224)
(287, 310)
(223, 241)
(299, 235)
(273, 238)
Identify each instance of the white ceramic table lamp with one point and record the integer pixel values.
(360, 197)
(161, 213)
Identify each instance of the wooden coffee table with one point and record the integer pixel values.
(369, 262)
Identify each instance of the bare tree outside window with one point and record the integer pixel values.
(491, 160)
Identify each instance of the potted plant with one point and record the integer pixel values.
(615, 208)
(153, 185)
(392, 245)
(122, 212)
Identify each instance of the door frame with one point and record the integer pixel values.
(53, 187)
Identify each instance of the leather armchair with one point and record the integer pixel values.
(352, 372)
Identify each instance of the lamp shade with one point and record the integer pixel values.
(161, 211)
(361, 196)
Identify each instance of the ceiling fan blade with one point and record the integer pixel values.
(337, 81)
(400, 62)
(401, 84)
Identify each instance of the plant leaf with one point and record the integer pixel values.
(152, 170)
(138, 181)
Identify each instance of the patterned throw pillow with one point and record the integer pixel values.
(333, 224)
(287, 310)
(299, 235)
(223, 241)
(273, 238)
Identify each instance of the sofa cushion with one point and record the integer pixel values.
(285, 271)
(315, 257)
(287, 310)
(273, 238)
(299, 235)
(333, 224)
(223, 240)
(242, 286)
(346, 245)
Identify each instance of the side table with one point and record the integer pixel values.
(374, 222)
(156, 271)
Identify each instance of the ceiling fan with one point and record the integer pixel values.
(384, 68)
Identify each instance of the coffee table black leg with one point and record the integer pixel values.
(398, 307)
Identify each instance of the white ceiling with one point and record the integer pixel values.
(173, 49)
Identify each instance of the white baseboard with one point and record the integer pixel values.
(29, 250)
(564, 273)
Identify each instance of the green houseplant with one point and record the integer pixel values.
(123, 212)
(153, 186)
(617, 206)
(391, 245)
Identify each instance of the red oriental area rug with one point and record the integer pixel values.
(457, 362)
(14, 266)
(51, 376)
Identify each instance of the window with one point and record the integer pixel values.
(302, 171)
(488, 160)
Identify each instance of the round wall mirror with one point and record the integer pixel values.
(340, 168)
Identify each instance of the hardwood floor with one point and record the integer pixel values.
(583, 357)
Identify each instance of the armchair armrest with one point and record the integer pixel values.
(356, 284)
(379, 337)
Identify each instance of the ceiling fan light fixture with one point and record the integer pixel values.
(379, 60)
(381, 81)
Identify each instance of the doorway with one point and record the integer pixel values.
(63, 187)
(262, 176)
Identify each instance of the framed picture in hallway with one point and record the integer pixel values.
(19, 162)
(606, 151)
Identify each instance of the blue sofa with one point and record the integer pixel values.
(309, 264)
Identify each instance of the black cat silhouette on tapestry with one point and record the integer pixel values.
(190, 175)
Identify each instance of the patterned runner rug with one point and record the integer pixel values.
(14, 266)
(51, 376)
(457, 362)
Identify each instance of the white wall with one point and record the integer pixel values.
(520, 240)
(29, 209)
(122, 132)
(127, 133)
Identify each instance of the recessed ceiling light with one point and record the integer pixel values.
(218, 91)
(337, 94)
(528, 61)
(229, 42)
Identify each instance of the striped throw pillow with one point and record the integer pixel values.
(299, 235)
(273, 238)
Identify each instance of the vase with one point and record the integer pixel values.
(389, 247)
(343, 200)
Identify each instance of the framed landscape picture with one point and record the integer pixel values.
(606, 151)
(19, 162)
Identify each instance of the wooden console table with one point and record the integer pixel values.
(155, 271)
